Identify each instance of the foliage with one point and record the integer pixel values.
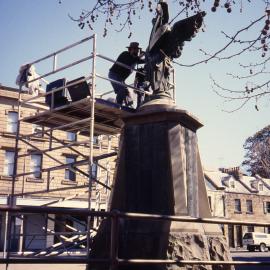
(257, 158)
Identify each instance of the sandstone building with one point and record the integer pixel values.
(240, 197)
(40, 181)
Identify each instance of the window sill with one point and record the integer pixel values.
(249, 213)
(7, 178)
(37, 138)
(70, 141)
(13, 135)
(8, 135)
(34, 180)
(69, 182)
(238, 212)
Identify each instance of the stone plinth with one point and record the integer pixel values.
(159, 172)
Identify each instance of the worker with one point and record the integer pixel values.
(120, 73)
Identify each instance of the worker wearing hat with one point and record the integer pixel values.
(121, 69)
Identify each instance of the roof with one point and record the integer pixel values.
(245, 184)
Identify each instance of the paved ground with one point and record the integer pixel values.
(43, 267)
(251, 256)
(237, 255)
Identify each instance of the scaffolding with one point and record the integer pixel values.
(89, 117)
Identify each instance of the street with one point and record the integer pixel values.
(237, 256)
(43, 267)
(251, 256)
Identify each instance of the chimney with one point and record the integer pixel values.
(234, 171)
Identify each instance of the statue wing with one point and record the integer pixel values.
(182, 31)
(185, 29)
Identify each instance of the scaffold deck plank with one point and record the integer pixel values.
(107, 117)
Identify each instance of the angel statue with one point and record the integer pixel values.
(165, 44)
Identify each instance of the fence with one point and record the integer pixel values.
(114, 259)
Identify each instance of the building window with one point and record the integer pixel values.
(12, 122)
(9, 163)
(239, 235)
(36, 165)
(237, 205)
(94, 170)
(260, 187)
(39, 130)
(232, 184)
(95, 140)
(210, 202)
(71, 136)
(266, 207)
(250, 228)
(249, 206)
(109, 143)
(231, 235)
(69, 174)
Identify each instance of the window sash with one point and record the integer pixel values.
(36, 165)
(70, 175)
(71, 136)
(12, 122)
(210, 202)
(37, 128)
(9, 163)
(267, 207)
(249, 206)
(96, 139)
(94, 170)
(237, 205)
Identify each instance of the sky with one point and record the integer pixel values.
(31, 29)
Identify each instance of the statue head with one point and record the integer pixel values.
(170, 39)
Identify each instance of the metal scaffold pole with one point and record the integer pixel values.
(91, 139)
(11, 197)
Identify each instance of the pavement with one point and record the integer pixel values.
(43, 267)
(241, 255)
(249, 257)
(46, 266)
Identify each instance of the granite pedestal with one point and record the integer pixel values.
(159, 171)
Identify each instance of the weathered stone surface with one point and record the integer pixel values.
(189, 246)
(186, 246)
(219, 251)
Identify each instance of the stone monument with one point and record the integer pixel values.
(159, 170)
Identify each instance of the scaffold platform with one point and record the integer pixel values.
(71, 117)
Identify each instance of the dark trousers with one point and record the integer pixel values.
(120, 90)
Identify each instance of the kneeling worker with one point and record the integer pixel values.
(120, 73)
